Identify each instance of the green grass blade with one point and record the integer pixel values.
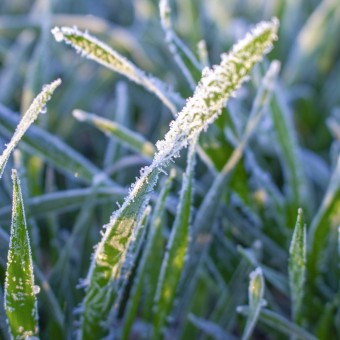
(53, 149)
(297, 266)
(177, 247)
(326, 218)
(63, 201)
(149, 268)
(20, 299)
(256, 292)
(29, 117)
(129, 138)
(279, 323)
(211, 94)
(104, 55)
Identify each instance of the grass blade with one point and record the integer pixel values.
(279, 323)
(131, 139)
(149, 268)
(211, 94)
(29, 117)
(256, 291)
(53, 149)
(327, 217)
(20, 299)
(104, 55)
(177, 247)
(297, 266)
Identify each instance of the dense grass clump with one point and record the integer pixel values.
(183, 183)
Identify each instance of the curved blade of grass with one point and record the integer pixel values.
(279, 323)
(49, 147)
(150, 265)
(211, 94)
(129, 138)
(177, 247)
(104, 55)
(256, 292)
(29, 117)
(62, 201)
(297, 266)
(327, 217)
(20, 299)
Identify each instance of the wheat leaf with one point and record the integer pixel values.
(256, 291)
(211, 94)
(297, 265)
(29, 117)
(177, 247)
(96, 50)
(149, 268)
(20, 299)
(53, 149)
(129, 138)
(279, 323)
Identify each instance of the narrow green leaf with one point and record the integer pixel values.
(297, 266)
(177, 247)
(256, 291)
(20, 299)
(53, 149)
(326, 218)
(279, 323)
(64, 200)
(214, 89)
(29, 117)
(96, 50)
(148, 271)
(129, 138)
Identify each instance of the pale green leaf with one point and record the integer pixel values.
(255, 293)
(129, 138)
(297, 265)
(29, 117)
(20, 299)
(177, 247)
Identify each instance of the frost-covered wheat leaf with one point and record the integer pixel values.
(279, 323)
(289, 149)
(211, 94)
(297, 265)
(176, 253)
(129, 138)
(20, 299)
(29, 117)
(256, 292)
(149, 268)
(96, 50)
(49, 147)
(326, 218)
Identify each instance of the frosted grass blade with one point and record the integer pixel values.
(96, 50)
(29, 117)
(20, 299)
(256, 292)
(149, 268)
(53, 149)
(176, 253)
(63, 201)
(279, 323)
(297, 266)
(209, 328)
(326, 218)
(211, 94)
(129, 138)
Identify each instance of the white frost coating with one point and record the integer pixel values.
(38, 106)
(90, 47)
